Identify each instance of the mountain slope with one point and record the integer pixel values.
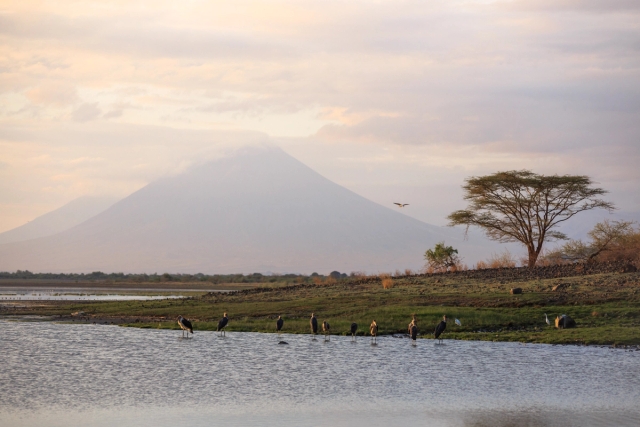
(257, 211)
(63, 218)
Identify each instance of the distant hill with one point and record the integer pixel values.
(61, 219)
(259, 210)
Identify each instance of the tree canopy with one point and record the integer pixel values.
(442, 257)
(525, 207)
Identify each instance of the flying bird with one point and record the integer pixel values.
(326, 328)
(373, 329)
(354, 329)
(440, 328)
(314, 324)
(401, 205)
(222, 323)
(185, 325)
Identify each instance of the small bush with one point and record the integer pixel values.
(442, 257)
(503, 260)
(459, 267)
(387, 281)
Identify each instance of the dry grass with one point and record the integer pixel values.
(459, 267)
(503, 260)
(387, 281)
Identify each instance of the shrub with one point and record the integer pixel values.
(441, 258)
(387, 281)
(609, 241)
(503, 260)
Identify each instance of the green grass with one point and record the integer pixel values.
(606, 308)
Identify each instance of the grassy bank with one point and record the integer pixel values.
(606, 308)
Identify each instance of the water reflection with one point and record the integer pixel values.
(107, 375)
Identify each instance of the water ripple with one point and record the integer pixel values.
(82, 372)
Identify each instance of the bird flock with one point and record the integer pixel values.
(561, 322)
(187, 327)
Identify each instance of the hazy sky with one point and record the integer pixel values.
(396, 100)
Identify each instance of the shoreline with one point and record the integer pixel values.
(132, 322)
(606, 308)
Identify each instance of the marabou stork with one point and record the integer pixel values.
(314, 324)
(413, 322)
(373, 329)
(326, 329)
(440, 328)
(414, 334)
(279, 324)
(354, 329)
(185, 325)
(221, 325)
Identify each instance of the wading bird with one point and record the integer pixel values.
(413, 322)
(546, 319)
(414, 334)
(401, 205)
(326, 328)
(279, 324)
(222, 323)
(185, 325)
(314, 324)
(373, 329)
(354, 329)
(440, 328)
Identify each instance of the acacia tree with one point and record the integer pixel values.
(521, 206)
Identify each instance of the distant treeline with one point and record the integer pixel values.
(166, 277)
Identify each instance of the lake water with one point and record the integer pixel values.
(78, 375)
(56, 296)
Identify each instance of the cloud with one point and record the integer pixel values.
(598, 6)
(456, 87)
(59, 94)
(113, 114)
(86, 112)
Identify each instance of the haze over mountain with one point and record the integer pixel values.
(61, 219)
(259, 210)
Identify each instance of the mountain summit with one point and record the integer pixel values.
(259, 210)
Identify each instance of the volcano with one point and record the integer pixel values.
(258, 210)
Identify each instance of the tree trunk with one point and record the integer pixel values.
(533, 257)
